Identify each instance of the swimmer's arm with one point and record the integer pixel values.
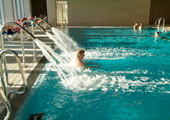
(91, 63)
(93, 66)
(82, 64)
(165, 38)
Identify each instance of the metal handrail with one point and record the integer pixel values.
(7, 104)
(32, 30)
(159, 21)
(21, 32)
(21, 70)
(43, 21)
(156, 21)
(22, 43)
(62, 25)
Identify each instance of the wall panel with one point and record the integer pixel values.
(160, 8)
(108, 12)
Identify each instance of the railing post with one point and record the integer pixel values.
(32, 29)
(159, 22)
(7, 104)
(2, 76)
(22, 45)
(21, 70)
(4, 58)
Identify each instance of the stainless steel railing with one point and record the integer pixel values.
(32, 31)
(22, 40)
(158, 22)
(22, 44)
(7, 104)
(2, 72)
(3, 91)
(63, 23)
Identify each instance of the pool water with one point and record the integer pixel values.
(132, 82)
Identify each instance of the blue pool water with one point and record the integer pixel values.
(133, 82)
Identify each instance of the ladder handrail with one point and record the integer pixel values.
(7, 104)
(156, 22)
(21, 70)
(21, 32)
(62, 25)
(32, 29)
(159, 21)
(22, 42)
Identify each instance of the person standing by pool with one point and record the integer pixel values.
(79, 62)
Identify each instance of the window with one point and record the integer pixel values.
(0, 18)
(62, 12)
(18, 9)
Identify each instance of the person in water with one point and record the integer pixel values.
(136, 25)
(157, 34)
(80, 63)
(140, 26)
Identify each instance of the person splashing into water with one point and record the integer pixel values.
(80, 63)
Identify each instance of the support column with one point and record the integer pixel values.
(2, 12)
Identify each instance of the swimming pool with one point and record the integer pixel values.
(132, 82)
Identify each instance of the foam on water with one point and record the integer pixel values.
(115, 53)
(88, 81)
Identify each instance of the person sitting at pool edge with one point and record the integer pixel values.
(80, 56)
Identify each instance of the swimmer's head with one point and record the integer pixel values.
(80, 53)
(156, 33)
